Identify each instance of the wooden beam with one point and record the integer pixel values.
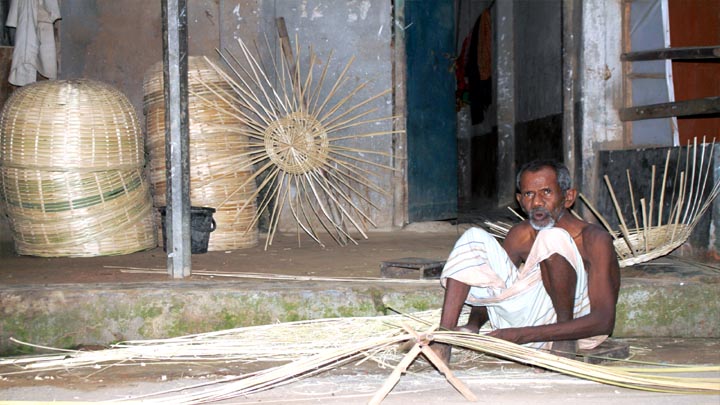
(686, 53)
(702, 106)
(177, 148)
(571, 34)
(285, 45)
(399, 105)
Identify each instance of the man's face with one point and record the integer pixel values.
(541, 198)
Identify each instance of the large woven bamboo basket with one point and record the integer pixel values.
(71, 179)
(68, 125)
(218, 160)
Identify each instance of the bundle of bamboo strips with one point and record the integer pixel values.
(276, 342)
(219, 165)
(71, 157)
(311, 347)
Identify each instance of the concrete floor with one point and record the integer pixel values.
(63, 302)
(490, 379)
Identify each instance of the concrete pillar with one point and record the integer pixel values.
(177, 153)
(505, 56)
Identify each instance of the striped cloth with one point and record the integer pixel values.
(515, 297)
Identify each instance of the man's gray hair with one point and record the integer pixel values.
(561, 171)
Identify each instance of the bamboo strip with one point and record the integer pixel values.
(632, 202)
(623, 227)
(651, 202)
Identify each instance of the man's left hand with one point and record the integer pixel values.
(509, 334)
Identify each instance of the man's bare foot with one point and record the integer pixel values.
(468, 328)
(442, 350)
(564, 348)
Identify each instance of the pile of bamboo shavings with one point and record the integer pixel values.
(219, 164)
(311, 347)
(639, 378)
(302, 131)
(71, 157)
(286, 341)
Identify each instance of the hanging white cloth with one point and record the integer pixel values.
(34, 40)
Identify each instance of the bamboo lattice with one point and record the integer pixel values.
(71, 181)
(219, 165)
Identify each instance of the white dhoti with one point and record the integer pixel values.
(515, 297)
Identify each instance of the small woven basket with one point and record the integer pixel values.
(71, 179)
(219, 166)
(651, 243)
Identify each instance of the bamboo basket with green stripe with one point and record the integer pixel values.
(71, 171)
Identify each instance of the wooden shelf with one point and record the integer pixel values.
(685, 53)
(701, 106)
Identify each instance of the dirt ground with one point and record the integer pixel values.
(492, 379)
(495, 381)
(287, 255)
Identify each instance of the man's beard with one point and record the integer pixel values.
(547, 221)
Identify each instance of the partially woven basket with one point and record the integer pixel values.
(219, 164)
(651, 243)
(71, 157)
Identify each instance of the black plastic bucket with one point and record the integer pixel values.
(201, 224)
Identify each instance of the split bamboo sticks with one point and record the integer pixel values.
(651, 240)
(312, 347)
(301, 129)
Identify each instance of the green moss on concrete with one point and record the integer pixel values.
(103, 317)
(673, 310)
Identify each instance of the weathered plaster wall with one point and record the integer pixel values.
(601, 87)
(116, 42)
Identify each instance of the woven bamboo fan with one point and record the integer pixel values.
(71, 171)
(304, 125)
(218, 162)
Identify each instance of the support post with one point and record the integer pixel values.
(505, 82)
(399, 138)
(571, 31)
(177, 155)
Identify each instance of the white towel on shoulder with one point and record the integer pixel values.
(516, 297)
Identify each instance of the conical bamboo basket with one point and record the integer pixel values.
(218, 160)
(71, 157)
